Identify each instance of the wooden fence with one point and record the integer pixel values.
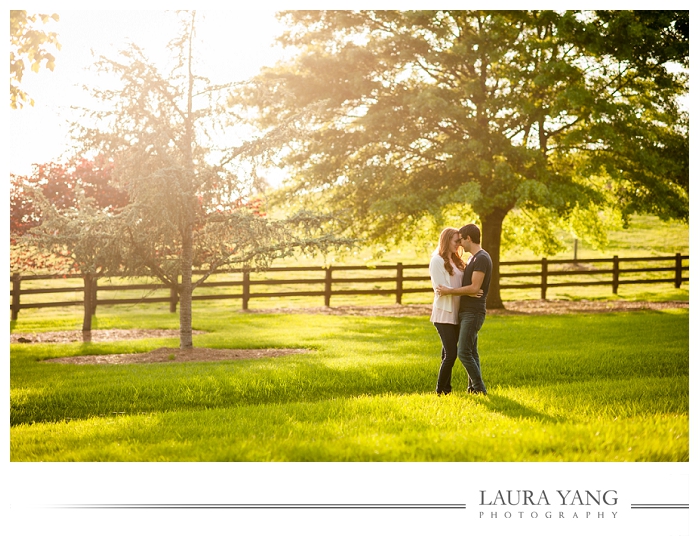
(339, 281)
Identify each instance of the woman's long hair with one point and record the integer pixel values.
(443, 251)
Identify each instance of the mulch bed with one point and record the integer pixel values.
(105, 335)
(175, 355)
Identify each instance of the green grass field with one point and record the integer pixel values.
(597, 387)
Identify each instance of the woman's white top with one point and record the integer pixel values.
(445, 309)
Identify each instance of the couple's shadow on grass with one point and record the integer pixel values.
(510, 408)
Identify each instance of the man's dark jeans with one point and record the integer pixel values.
(449, 335)
(470, 323)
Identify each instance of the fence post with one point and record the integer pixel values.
(328, 285)
(615, 275)
(678, 270)
(246, 288)
(399, 283)
(94, 296)
(16, 290)
(173, 299)
(544, 277)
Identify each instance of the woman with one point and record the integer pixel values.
(447, 268)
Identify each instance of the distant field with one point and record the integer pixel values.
(645, 236)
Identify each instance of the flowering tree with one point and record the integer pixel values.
(59, 220)
(59, 187)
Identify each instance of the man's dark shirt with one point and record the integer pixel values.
(480, 262)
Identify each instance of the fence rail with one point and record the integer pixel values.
(329, 283)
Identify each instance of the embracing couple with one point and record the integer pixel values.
(458, 311)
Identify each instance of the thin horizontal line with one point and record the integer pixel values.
(257, 506)
(659, 506)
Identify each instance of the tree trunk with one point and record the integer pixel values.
(186, 293)
(87, 302)
(190, 191)
(491, 236)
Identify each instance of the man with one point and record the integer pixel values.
(475, 284)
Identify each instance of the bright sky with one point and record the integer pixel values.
(235, 44)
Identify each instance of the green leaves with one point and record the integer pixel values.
(29, 46)
(409, 106)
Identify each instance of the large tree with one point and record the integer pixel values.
(405, 115)
(30, 47)
(192, 184)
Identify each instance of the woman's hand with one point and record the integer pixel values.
(477, 295)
